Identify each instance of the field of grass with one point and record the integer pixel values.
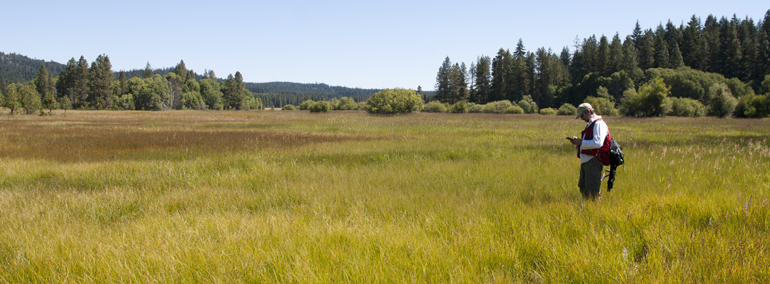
(344, 197)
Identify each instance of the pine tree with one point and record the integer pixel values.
(629, 63)
(747, 36)
(692, 44)
(147, 71)
(565, 56)
(123, 83)
(520, 50)
(603, 57)
(41, 82)
(483, 80)
(80, 83)
(646, 50)
(444, 81)
(636, 35)
(616, 55)
(711, 45)
(662, 57)
(676, 57)
(499, 83)
(730, 50)
(100, 83)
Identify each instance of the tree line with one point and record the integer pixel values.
(691, 58)
(81, 86)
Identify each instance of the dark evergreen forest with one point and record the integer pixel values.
(690, 57)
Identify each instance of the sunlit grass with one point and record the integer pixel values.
(346, 197)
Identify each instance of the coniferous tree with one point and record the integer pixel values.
(100, 83)
(444, 81)
(41, 82)
(747, 36)
(730, 49)
(711, 44)
(676, 57)
(565, 56)
(459, 85)
(483, 80)
(672, 35)
(123, 83)
(147, 71)
(499, 84)
(646, 50)
(616, 55)
(80, 83)
(637, 34)
(472, 81)
(662, 57)
(629, 63)
(603, 57)
(692, 44)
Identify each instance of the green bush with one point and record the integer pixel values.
(722, 101)
(648, 102)
(434, 106)
(752, 105)
(497, 107)
(602, 106)
(475, 108)
(567, 109)
(321, 106)
(347, 104)
(686, 107)
(459, 107)
(334, 104)
(528, 105)
(393, 101)
(548, 111)
(514, 109)
(306, 105)
(288, 107)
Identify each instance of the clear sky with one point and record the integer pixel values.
(367, 44)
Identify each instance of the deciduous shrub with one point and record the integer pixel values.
(459, 107)
(722, 101)
(514, 109)
(648, 102)
(567, 109)
(548, 111)
(322, 106)
(288, 107)
(475, 108)
(497, 107)
(393, 101)
(434, 106)
(686, 107)
(347, 103)
(602, 106)
(306, 105)
(528, 105)
(752, 105)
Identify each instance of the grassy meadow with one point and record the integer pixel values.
(345, 197)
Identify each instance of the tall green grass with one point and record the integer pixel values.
(349, 198)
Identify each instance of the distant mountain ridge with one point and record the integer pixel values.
(20, 68)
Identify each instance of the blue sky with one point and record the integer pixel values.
(367, 44)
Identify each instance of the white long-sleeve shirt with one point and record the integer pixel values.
(600, 132)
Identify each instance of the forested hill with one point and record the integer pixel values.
(282, 93)
(19, 68)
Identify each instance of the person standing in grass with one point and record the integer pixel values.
(594, 139)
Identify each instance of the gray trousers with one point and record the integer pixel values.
(590, 182)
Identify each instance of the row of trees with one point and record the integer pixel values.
(694, 57)
(82, 87)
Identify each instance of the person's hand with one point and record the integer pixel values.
(575, 141)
